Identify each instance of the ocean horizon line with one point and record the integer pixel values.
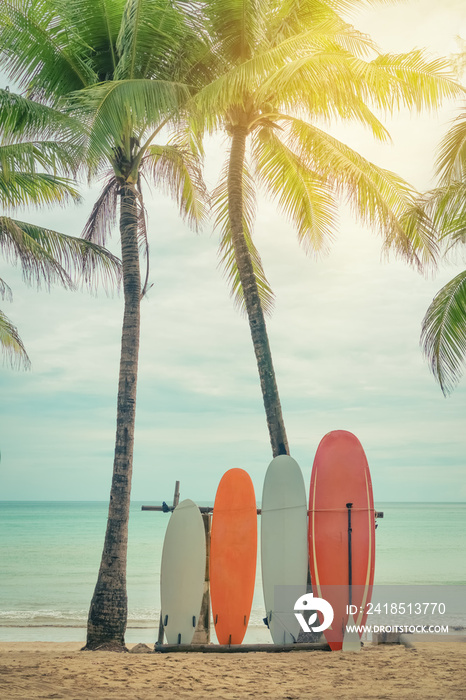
(208, 502)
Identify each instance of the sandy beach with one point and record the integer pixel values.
(61, 670)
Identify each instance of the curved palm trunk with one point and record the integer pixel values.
(108, 610)
(254, 310)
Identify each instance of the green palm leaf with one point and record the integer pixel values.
(96, 24)
(415, 81)
(47, 256)
(104, 213)
(324, 82)
(22, 119)
(291, 17)
(451, 163)
(52, 156)
(39, 189)
(11, 343)
(302, 194)
(42, 45)
(238, 26)
(150, 37)
(378, 196)
(388, 81)
(116, 111)
(143, 238)
(262, 72)
(442, 212)
(5, 291)
(176, 169)
(444, 333)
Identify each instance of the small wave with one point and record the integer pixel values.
(139, 618)
(42, 614)
(6, 625)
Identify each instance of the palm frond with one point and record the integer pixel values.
(324, 86)
(303, 195)
(238, 26)
(323, 81)
(449, 213)
(37, 189)
(151, 35)
(378, 196)
(444, 333)
(52, 156)
(12, 345)
(290, 17)
(415, 238)
(415, 81)
(177, 170)
(451, 163)
(444, 210)
(143, 238)
(388, 81)
(97, 24)
(115, 110)
(49, 257)
(227, 260)
(23, 119)
(103, 217)
(40, 52)
(326, 33)
(267, 71)
(5, 291)
(37, 263)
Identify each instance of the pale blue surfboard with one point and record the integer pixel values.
(182, 573)
(284, 551)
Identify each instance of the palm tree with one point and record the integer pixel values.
(117, 66)
(35, 144)
(442, 212)
(285, 68)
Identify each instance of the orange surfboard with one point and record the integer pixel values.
(341, 476)
(233, 549)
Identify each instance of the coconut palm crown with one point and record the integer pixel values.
(286, 71)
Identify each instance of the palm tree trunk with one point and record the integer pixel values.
(254, 309)
(108, 610)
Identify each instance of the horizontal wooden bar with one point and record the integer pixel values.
(203, 509)
(209, 509)
(239, 648)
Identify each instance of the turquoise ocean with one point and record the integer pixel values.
(50, 554)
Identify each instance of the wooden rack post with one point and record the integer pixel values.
(202, 631)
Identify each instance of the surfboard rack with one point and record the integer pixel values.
(202, 634)
(164, 508)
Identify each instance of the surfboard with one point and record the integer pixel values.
(340, 476)
(182, 573)
(233, 552)
(284, 551)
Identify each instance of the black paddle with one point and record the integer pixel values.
(350, 554)
(351, 640)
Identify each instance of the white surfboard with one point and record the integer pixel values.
(284, 550)
(182, 573)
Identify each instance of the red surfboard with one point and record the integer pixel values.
(233, 551)
(341, 476)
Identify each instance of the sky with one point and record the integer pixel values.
(344, 338)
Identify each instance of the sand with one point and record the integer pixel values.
(61, 670)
